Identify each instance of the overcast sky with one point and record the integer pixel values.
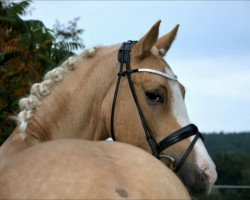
(211, 54)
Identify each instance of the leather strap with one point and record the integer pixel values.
(186, 154)
(179, 135)
(122, 58)
(156, 148)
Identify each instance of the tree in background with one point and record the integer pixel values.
(231, 154)
(233, 169)
(27, 50)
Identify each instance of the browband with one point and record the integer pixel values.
(152, 71)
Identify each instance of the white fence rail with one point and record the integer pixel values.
(232, 186)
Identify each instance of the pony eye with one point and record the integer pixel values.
(154, 96)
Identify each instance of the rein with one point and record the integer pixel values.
(177, 136)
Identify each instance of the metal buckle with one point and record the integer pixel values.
(125, 48)
(125, 73)
(169, 158)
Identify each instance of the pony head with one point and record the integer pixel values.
(161, 99)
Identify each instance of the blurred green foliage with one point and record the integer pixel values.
(27, 50)
(223, 142)
(231, 154)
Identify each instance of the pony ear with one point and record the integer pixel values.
(164, 43)
(145, 44)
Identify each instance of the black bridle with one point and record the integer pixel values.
(156, 148)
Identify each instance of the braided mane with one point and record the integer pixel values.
(30, 103)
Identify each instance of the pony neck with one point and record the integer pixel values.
(74, 107)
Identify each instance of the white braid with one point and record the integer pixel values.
(90, 53)
(39, 90)
(29, 103)
(162, 52)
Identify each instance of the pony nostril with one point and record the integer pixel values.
(209, 173)
(206, 173)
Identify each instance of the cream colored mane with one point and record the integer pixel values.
(31, 103)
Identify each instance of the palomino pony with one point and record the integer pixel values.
(76, 100)
(78, 169)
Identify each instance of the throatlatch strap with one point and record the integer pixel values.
(125, 49)
(113, 107)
